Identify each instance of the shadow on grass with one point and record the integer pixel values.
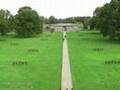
(2, 40)
(19, 63)
(33, 50)
(14, 36)
(14, 44)
(98, 49)
(95, 36)
(106, 40)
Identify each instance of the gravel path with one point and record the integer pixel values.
(66, 81)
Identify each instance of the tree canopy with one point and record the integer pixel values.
(4, 21)
(28, 22)
(25, 23)
(107, 19)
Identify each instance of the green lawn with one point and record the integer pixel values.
(41, 57)
(89, 71)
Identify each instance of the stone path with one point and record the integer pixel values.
(66, 81)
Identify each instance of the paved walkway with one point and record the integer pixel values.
(66, 83)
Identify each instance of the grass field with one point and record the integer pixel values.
(30, 63)
(88, 53)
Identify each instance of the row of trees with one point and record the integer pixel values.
(107, 19)
(25, 23)
(5, 17)
(54, 20)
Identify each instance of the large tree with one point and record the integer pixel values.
(28, 22)
(4, 21)
(107, 19)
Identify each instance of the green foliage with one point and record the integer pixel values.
(4, 21)
(52, 20)
(85, 22)
(11, 23)
(107, 19)
(28, 22)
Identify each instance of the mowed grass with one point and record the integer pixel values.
(89, 71)
(41, 62)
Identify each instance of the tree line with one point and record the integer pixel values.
(107, 19)
(25, 23)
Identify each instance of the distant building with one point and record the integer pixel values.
(63, 26)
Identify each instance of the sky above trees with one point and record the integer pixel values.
(57, 8)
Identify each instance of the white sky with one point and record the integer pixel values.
(58, 8)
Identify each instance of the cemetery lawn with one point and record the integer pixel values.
(31, 63)
(89, 71)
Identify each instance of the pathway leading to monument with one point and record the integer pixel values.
(66, 81)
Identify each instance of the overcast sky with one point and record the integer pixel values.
(58, 8)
